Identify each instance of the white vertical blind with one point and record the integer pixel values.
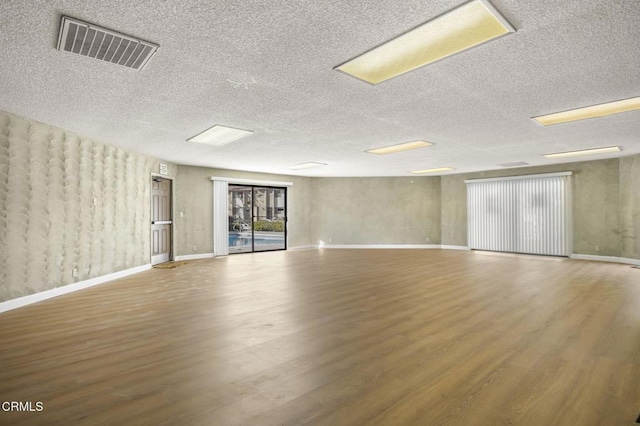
(220, 218)
(523, 214)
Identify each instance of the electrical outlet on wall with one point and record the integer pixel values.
(74, 272)
(194, 249)
(597, 248)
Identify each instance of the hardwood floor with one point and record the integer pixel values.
(335, 337)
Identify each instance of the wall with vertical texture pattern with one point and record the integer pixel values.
(68, 202)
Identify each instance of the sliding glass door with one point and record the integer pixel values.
(240, 218)
(269, 218)
(257, 218)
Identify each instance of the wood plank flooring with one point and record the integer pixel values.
(335, 337)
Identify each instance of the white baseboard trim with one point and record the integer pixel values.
(630, 261)
(310, 246)
(392, 246)
(194, 256)
(446, 247)
(605, 259)
(59, 291)
(380, 246)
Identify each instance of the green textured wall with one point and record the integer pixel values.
(68, 202)
(376, 210)
(194, 198)
(630, 206)
(596, 204)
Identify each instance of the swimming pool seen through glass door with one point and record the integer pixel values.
(257, 218)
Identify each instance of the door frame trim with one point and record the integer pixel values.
(172, 255)
(253, 182)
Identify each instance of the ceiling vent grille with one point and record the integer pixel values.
(105, 45)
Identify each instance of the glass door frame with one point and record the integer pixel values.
(253, 216)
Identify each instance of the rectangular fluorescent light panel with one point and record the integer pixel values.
(440, 169)
(593, 111)
(306, 166)
(400, 147)
(219, 135)
(462, 28)
(594, 151)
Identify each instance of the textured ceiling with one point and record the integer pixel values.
(268, 66)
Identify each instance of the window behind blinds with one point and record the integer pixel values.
(522, 214)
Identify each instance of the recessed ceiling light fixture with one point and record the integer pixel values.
(600, 110)
(594, 151)
(306, 166)
(399, 147)
(219, 135)
(462, 28)
(439, 169)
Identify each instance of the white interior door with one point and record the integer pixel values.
(161, 220)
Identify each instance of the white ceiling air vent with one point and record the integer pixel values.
(103, 44)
